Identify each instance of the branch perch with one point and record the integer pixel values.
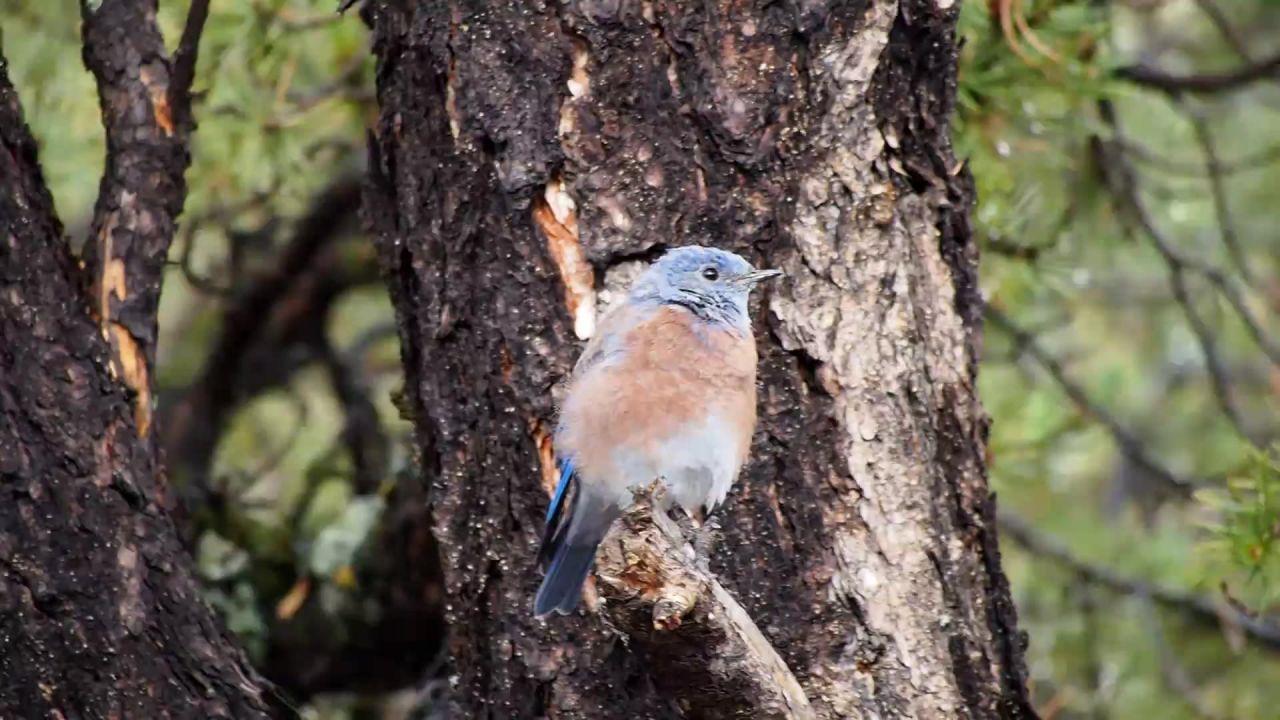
(705, 650)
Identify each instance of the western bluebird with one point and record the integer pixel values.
(666, 389)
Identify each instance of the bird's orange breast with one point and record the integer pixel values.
(673, 370)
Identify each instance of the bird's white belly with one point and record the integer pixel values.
(697, 465)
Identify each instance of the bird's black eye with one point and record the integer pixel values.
(711, 273)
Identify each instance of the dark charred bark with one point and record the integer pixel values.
(146, 112)
(528, 156)
(99, 613)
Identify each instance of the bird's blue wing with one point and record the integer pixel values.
(558, 514)
(569, 544)
(566, 474)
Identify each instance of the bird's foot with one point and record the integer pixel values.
(706, 534)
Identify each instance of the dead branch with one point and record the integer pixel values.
(716, 662)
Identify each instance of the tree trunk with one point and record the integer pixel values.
(99, 612)
(528, 156)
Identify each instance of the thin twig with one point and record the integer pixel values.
(369, 337)
(1201, 609)
(362, 431)
(1124, 439)
(1224, 27)
(275, 457)
(1218, 192)
(222, 215)
(1001, 245)
(1175, 676)
(1122, 181)
(1206, 83)
(1253, 161)
(184, 60)
(186, 265)
(1093, 664)
(1209, 350)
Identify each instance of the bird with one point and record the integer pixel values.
(665, 390)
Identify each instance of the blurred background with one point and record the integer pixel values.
(1127, 156)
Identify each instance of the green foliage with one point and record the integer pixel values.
(1247, 531)
(337, 543)
(219, 559)
(1063, 262)
(240, 609)
(42, 45)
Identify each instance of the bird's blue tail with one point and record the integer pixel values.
(562, 585)
(576, 523)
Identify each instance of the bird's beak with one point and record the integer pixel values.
(752, 278)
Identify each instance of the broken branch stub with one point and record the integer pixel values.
(719, 664)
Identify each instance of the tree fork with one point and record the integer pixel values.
(99, 612)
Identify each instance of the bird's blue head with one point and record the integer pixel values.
(711, 283)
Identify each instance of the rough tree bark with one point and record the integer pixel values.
(528, 156)
(99, 612)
